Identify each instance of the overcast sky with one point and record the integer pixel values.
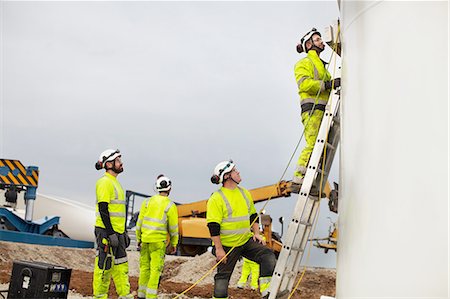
(176, 86)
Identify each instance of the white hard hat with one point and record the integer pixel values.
(307, 37)
(107, 156)
(163, 183)
(220, 170)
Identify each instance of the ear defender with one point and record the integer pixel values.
(300, 48)
(98, 165)
(215, 179)
(163, 184)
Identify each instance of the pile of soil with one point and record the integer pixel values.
(178, 275)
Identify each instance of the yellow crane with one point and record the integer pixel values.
(194, 233)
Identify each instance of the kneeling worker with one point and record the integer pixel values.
(157, 218)
(230, 211)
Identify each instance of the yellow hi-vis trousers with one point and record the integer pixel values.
(151, 266)
(249, 268)
(110, 262)
(102, 280)
(312, 126)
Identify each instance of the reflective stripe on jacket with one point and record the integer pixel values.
(310, 74)
(232, 210)
(157, 218)
(109, 190)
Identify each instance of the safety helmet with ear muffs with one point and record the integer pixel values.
(301, 47)
(108, 155)
(220, 170)
(163, 183)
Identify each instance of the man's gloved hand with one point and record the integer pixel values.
(113, 240)
(127, 239)
(171, 249)
(335, 83)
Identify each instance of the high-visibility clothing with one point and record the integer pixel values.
(249, 268)
(311, 75)
(110, 262)
(102, 280)
(109, 190)
(231, 209)
(151, 266)
(312, 126)
(157, 218)
(251, 250)
(264, 284)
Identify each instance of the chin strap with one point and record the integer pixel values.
(317, 49)
(116, 170)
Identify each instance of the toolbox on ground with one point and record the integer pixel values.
(38, 280)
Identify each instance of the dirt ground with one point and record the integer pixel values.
(178, 275)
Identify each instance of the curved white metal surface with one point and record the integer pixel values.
(76, 219)
(393, 240)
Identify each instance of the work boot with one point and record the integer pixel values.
(295, 188)
(297, 180)
(296, 184)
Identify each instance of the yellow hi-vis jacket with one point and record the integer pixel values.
(108, 189)
(157, 218)
(311, 75)
(231, 209)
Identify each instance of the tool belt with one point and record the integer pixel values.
(309, 106)
(108, 255)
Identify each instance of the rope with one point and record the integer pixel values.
(321, 183)
(215, 266)
(268, 200)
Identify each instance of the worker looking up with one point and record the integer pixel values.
(314, 86)
(111, 237)
(229, 213)
(157, 218)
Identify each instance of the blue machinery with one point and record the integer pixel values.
(14, 178)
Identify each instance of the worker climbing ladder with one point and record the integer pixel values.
(308, 202)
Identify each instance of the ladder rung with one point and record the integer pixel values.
(291, 274)
(298, 249)
(329, 145)
(306, 223)
(320, 171)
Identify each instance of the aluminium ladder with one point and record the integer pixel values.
(288, 264)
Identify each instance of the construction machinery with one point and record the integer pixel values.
(194, 233)
(14, 227)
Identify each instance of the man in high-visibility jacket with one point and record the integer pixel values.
(111, 237)
(314, 87)
(229, 213)
(158, 217)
